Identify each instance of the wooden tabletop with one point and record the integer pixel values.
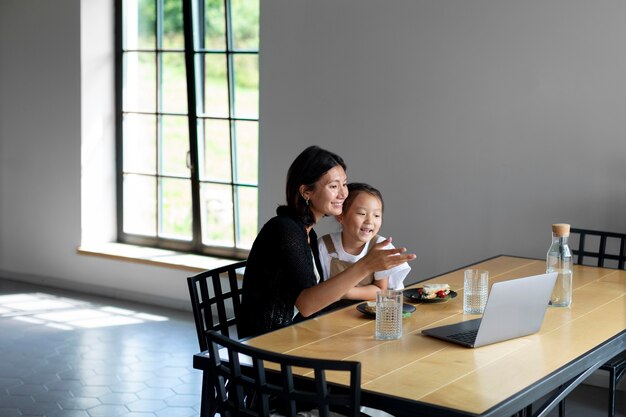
(427, 372)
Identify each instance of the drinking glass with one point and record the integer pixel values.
(388, 314)
(475, 289)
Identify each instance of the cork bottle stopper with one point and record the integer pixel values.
(560, 229)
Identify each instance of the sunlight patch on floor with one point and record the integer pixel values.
(66, 313)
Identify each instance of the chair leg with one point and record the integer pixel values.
(208, 406)
(562, 408)
(612, 387)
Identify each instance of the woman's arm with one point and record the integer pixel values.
(313, 299)
(367, 292)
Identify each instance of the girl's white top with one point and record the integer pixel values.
(396, 275)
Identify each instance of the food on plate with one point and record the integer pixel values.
(370, 307)
(431, 291)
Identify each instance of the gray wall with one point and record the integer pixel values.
(56, 150)
(482, 122)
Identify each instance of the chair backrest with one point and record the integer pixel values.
(606, 249)
(245, 372)
(216, 300)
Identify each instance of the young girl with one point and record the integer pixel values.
(360, 219)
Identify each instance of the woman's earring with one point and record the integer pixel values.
(306, 200)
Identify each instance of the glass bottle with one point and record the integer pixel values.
(559, 259)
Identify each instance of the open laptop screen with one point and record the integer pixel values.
(514, 308)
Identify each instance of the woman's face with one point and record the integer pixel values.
(362, 220)
(328, 194)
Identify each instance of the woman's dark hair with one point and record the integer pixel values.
(306, 169)
(356, 188)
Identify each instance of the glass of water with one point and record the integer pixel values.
(388, 314)
(475, 289)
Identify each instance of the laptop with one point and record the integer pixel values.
(514, 308)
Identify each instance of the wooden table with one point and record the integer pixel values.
(419, 374)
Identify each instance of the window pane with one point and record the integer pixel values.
(175, 219)
(246, 68)
(173, 24)
(139, 82)
(247, 202)
(214, 26)
(245, 21)
(216, 210)
(140, 144)
(215, 163)
(174, 84)
(175, 146)
(139, 24)
(247, 152)
(140, 205)
(216, 85)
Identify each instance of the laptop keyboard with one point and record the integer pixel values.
(465, 337)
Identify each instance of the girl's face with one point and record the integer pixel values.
(328, 194)
(362, 220)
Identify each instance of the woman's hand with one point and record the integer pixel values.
(380, 259)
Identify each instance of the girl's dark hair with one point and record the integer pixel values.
(356, 188)
(306, 169)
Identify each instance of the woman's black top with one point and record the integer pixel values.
(279, 267)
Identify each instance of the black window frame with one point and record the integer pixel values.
(191, 52)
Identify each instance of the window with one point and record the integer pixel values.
(187, 124)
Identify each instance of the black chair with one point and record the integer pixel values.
(607, 250)
(215, 301)
(274, 384)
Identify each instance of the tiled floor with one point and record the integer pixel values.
(75, 355)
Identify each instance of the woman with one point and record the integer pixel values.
(282, 274)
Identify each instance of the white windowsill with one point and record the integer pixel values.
(153, 256)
